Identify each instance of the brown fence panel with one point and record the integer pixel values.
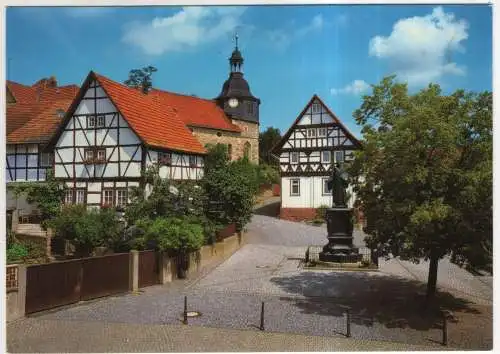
(105, 275)
(226, 232)
(52, 285)
(149, 268)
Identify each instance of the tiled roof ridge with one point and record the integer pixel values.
(183, 95)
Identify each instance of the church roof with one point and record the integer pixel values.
(236, 86)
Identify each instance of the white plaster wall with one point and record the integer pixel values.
(311, 193)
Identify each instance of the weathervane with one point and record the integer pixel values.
(236, 38)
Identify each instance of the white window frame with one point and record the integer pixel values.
(341, 154)
(323, 160)
(110, 191)
(68, 193)
(292, 181)
(292, 154)
(322, 132)
(101, 121)
(80, 196)
(311, 132)
(192, 161)
(316, 108)
(101, 152)
(119, 197)
(91, 121)
(89, 155)
(324, 189)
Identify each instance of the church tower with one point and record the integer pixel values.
(240, 105)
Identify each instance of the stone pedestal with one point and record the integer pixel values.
(340, 228)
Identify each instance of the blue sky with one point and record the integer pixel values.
(291, 52)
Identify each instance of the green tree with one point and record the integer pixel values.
(267, 140)
(46, 196)
(424, 176)
(141, 78)
(230, 187)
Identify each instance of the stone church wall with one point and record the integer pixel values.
(249, 134)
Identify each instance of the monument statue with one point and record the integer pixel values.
(338, 184)
(340, 246)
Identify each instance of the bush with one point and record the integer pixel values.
(87, 229)
(160, 197)
(16, 252)
(174, 235)
(268, 174)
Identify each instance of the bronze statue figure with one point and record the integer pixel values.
(338, 184)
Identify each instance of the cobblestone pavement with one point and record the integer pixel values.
(62, 336)
(384, 305)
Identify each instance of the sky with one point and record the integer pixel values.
(290, 52)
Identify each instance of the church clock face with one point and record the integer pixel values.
(233, 103)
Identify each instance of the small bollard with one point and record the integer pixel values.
(262, 317)
(185, 320)
(348, 323)
(445, 330)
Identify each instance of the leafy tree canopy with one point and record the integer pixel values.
(424, 176)
(141, 78)
(267, 140)
(47, 196)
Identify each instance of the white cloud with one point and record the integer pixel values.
(357, 87)
(188, 28)
(282, 38)
(316, 24)
(419, 49)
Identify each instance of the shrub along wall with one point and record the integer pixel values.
(17, 275)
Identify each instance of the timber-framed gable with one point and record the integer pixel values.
(316, 131)
(98, 150)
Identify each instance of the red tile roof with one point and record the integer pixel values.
(33, 118)
(34, 122)
(160, 118)
(40, 92)
(197, 112)
(156, 122)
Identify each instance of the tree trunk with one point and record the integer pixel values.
(432, 279)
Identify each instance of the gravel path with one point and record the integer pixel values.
(296, 300)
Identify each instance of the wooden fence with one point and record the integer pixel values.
(226, 232)
(33, 288)
(62, 283)
(149, 268)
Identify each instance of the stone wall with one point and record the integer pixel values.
(250, 134)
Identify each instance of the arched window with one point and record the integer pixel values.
(246, 149)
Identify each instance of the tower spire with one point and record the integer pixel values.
(236, 59)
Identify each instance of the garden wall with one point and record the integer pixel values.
(96, 276)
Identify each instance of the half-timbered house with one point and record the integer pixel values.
(100, 138)
(307, 151)
(111, 134)
(33, 114)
